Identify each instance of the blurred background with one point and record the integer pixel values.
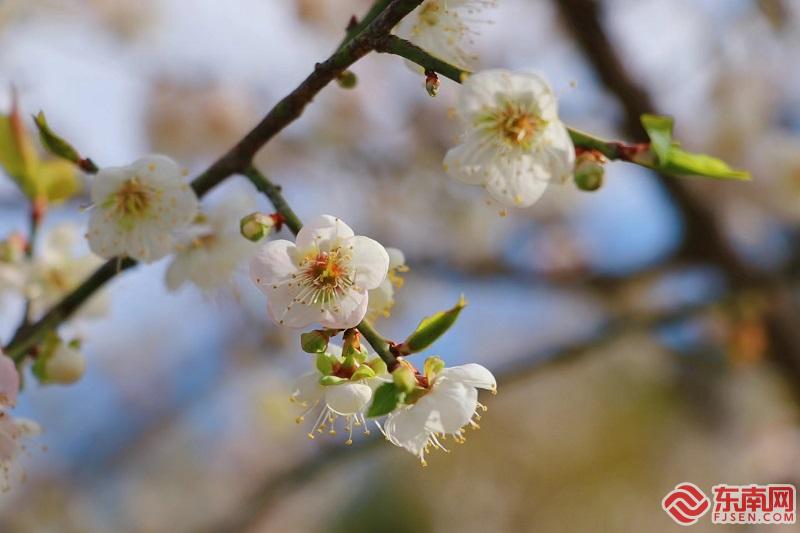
(643, 335)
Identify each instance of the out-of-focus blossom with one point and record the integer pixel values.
(515, 143)
(12, 430)
(381, 298)
(213, 248)
(137, 209)
(449, 404)
(443, 28)
(57, 269)
(66, 365)
(323, 277)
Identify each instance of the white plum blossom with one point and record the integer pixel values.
(381, 298)
(57, 269)
(137, 209)
(515, 143)
(213, 248)
(441, 27)
(450, 404)
(347, 399)
(323, 277)
(12, 430)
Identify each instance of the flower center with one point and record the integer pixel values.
(518, 127)
(132, 199)
(430, 13)
(326, 277)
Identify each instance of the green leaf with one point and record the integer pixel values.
(659, 129)
(671, 159)
(18, 154)
(404, 378)
(385, 400)
(57, 180)
(432, 327)
(682, 162)
(54, 143)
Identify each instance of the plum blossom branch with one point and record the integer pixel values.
(273, 192)
(381, 19)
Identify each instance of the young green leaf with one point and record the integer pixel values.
(385, 400)
(431, 328)
(659, 129)
(54, 143)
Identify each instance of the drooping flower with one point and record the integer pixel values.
(137, 209)
(446, 407)
(345, 391)
(324, 277)
(515, 143)
(381, 298)
(57, 269)
(441, 28)
(213, 247)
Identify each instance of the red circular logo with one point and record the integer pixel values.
(686, 504)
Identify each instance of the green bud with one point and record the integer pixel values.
(314, 341)
(589, 172)
(433, 365)
(404, 378)
(59, 362)
(256, 226)
(431, 328)
(347, 79)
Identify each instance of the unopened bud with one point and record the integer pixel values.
(256, 226)
(433, 365)
(431, 83)
(589, 171)
(347, 79)
(66, 365)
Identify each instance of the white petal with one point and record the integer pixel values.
(348, 312)
(107, 181)
(156, 168)
(518, 180)
(396, 257)
(406, 428)
(273, 263)
(285, 311)
(307, 388)
(471, 374)
(450, 406)
(369, 261)
(488, 89)
(348, 398)
(323, 232)
(467, 161)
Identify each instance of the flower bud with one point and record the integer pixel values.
(433, 365)
(66, 365)
(347, 79)
(589, 172)
(256, 226)
(431, 83)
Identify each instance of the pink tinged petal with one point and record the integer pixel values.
(451, 405)
(273, 263)
(323, 232)
(347, 398)
(406, 428)
(9, 382)
(471, 374)
(369, 261)
(307, 388)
